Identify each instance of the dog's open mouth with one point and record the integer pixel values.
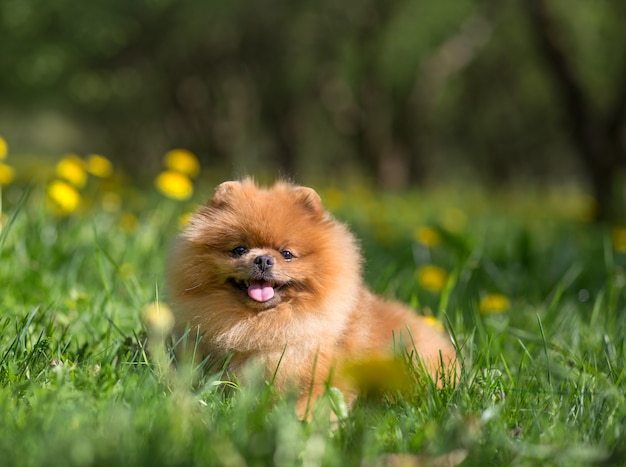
(261, 291)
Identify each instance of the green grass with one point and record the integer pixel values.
(543, 383)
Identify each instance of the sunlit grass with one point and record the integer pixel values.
(533, 297)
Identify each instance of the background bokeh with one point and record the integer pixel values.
(468, 144)
(399, 93)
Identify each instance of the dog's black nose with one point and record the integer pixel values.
(264, 262)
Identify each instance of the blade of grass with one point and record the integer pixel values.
(545, 350)
(6, 228)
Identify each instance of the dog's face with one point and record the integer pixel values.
(258, 249)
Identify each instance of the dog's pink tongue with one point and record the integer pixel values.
(260, 291)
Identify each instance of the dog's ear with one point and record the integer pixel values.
(223, 192)
(309, 198)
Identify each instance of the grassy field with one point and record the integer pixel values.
(533, 295)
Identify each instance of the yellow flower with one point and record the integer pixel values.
(182, 161)
(434, 322)
(64, 197)
(493, 303)
(427, 236)
(99, 166)
(619, 239)
(72, 169)
(159, 318)
(432, 277)
(378, 375)
(174, 185)
(6, 174)
(4, 149)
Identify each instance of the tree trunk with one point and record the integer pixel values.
(597, 139)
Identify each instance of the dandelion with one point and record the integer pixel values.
(432, 278)
(72, 169)
(493, 303)
(434, 322)
(7, 174)
(99, 166)
(159, 318)
(4, 149)
(182, 161)
(618, 235)
(174, 185)
(63, 196)
(378, 375)
(427, 236)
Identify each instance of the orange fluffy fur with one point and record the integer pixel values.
(320, 313)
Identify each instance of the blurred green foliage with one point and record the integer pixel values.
(401, 91)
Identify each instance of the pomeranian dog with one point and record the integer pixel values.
(268, 276)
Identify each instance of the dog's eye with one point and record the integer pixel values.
(288, 255)
(239, 251)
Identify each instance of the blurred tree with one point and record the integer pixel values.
(389, 69)
(599, 136)
(495, 115)
(400, 91)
